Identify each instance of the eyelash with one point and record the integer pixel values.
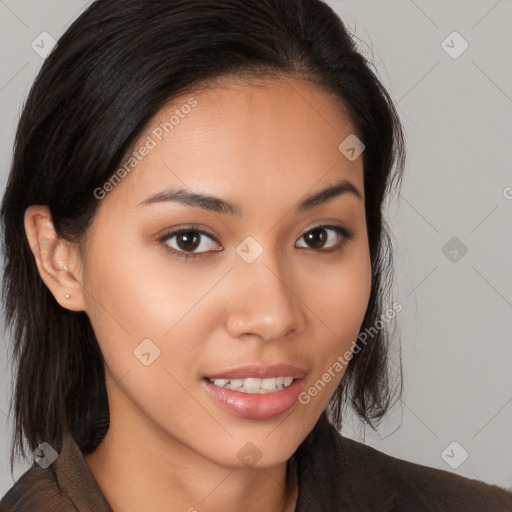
(346, 236)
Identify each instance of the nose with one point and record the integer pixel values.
(265, 300)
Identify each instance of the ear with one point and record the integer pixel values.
(58, 260)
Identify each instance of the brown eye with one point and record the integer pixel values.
(334, 236)
(316, 238)
(188, 241)
(184, 242)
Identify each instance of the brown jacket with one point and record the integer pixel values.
(334, 474)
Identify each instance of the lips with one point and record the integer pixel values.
(255, 406)
(259, 371)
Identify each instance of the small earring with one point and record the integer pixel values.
(67, 295)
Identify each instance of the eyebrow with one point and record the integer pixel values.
(216, 204)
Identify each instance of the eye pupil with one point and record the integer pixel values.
(191, 240)
(315, 236)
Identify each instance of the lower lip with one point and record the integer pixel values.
(256, 406)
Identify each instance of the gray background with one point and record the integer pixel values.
(457, 315)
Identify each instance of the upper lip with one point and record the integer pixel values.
(260, 371)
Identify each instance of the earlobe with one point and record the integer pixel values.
(55, 258)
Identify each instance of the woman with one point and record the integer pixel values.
(194, 241)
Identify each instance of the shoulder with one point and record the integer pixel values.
(410, 486)
(337, 472)
(66, 485)
(37, 490)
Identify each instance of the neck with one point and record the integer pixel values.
(139, 469)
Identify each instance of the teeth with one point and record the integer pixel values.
(268, 384)
(254, 385)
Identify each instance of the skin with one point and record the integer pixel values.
(169, 445)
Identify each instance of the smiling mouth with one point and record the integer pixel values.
(254, 385)
(260, 396)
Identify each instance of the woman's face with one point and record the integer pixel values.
(270, 283)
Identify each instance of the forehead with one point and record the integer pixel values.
(244, 137)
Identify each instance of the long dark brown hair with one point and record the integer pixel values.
(115, 67)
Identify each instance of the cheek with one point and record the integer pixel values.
(136, 291)
(340, 305)
(135, 295)
(141, 315)
(342, 292)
